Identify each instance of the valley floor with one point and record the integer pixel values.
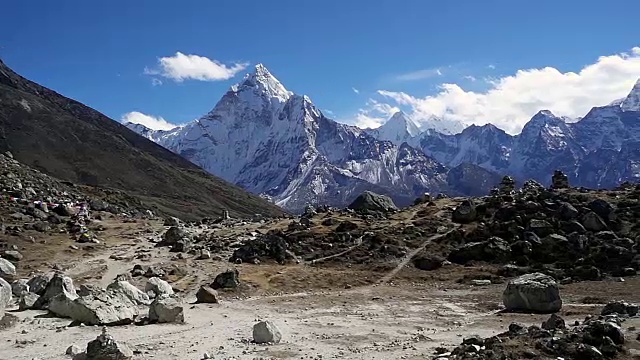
(339, 312)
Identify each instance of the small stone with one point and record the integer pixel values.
(73, 350)
(266, 332)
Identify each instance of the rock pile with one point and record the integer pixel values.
(570, 235)
(596, 338)
(40, 199)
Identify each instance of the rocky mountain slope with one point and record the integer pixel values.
(70, 141)
(270, 141)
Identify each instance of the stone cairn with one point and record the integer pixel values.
(559, 180)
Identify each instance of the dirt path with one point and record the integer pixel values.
(410, 256)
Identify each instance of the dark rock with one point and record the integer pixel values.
(346, 226)
(592, 222)
(554, 322)
(105, 347)
(603, 208)
(567, 211)
(540, 227)
(620, 308)
(587, 272)
(559, 180)
(41, 226)
(226, 280)
(428, 262)
(465, 212)
(207, 295)
(98, 205)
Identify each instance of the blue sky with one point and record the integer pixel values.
(397, 54)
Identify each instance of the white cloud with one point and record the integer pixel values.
(355, 90)
(512, 100)
(420, 74)
(182, 67)
(491, 66)
(470, 78)
(374, 115)
(152, 122)
(156, 82)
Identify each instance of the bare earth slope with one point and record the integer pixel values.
(70, 141)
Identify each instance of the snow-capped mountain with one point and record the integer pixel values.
(599, 150)
(401, 128)
(276, 143)
(398, 129)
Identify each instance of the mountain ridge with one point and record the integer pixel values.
(279, 144)
(70, 141)
(296, 155)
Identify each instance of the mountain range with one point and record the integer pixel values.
(278, 144)
(70, 141)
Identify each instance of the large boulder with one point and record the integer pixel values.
(134, 294)
(5, 295)
(535, 292)
(166, 309)
(105, 347)
(7, 269)
(101, 307)
(174, 235)
(465, 212)
(603, 208)
(266, 332)
(59, 284)
(371, 202)
(158, 287)
(227, 280)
